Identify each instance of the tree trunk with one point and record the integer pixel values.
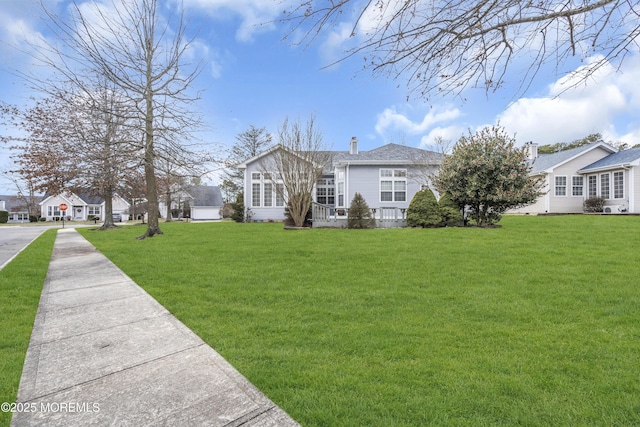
(108, 211)
(153, 226)
(169, 216)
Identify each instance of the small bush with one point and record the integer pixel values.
(359, 215)
(423, 210)
(450, 211)
(4, 217)
(33, 218)
(238, 209)
(594, 204)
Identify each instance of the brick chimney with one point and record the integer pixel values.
(353, 146)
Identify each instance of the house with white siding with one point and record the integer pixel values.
(387, 177)
(80, 207)
(18, 207)
(594, 170)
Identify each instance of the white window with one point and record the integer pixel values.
(325, 191)
(268, 194)
(393, 185)
(265, 190)
(53, 210)
(93, 210)
(279, 194)
(561, 186)
(255, 194)
(593, 186)
(577, 186)
(618, 185)
(341, 194)
(604, 185)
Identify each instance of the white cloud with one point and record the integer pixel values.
(572, 110)
(257, 16)
(333, 47)
(393, 122)
(449, 135)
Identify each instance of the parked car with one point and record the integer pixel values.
(117, 217)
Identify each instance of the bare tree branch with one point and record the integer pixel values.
(446, 46)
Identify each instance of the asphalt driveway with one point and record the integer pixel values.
(14, 239)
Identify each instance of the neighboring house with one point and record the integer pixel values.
(205, 202)
(387, 177)
(17, 208)
(593, 170)
(81, 207)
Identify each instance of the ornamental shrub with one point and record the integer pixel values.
(423, 210)
(489, 174)
(359, 215)
(4, 217)
(450, 211)
(593, 204)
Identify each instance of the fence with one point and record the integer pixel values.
(330, 217)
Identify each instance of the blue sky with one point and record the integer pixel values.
(251, 76)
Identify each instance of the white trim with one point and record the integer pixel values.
(393, 179)
(632, 193)
(600, 175)
(604, 145)
(613, 184)
(555, 186)
(576, 186)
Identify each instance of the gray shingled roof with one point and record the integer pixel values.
(546, 161)
(204, 195)
(13, 203)
(613, 160)
(390, 152)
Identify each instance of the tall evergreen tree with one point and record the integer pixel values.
(359, 215)
(248, 144)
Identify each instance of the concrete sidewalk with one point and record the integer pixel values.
(104, 352)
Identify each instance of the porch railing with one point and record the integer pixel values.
(332, 217)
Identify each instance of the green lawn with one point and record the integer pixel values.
(20, 288)
(535, 323)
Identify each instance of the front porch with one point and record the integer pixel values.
(324, 216)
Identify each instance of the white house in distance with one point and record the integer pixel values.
(594, 170)
(387, 177)
(17, 207)
(205, 202)
(79, 207)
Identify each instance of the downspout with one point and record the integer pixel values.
(346, 185)
(631, 208)
(547, 200)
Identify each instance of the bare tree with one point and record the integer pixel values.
(296, 164)
(79, 142)
(143, 55)
(104, 143)
(447, 45)
(41, 145)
